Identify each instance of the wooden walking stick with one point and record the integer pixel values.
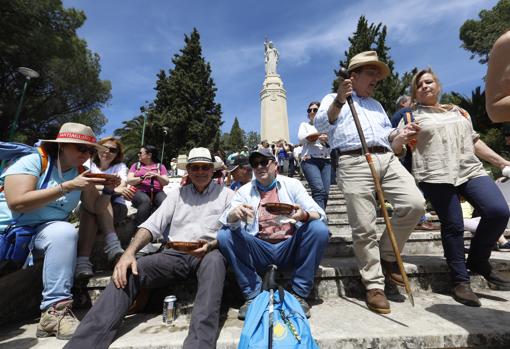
(380, 196)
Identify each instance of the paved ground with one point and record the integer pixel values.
(435, 322)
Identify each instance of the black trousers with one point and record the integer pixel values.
(99, 327)
(144, 206)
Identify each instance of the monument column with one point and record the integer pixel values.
(273, 100)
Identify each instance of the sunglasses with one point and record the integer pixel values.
(196, 168)
(314, 110)
(110, 150)
(85, 149)
(264, 162)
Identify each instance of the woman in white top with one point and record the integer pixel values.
(315, 157)
(446, 166)
(107, 161)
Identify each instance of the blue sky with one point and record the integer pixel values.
(136, 39)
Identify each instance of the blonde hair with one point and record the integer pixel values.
(416, 80)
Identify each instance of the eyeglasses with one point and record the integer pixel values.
(140, 153)
(110, 150)
(264, 162)
(312, 110)
(196, 168)
(85, 149)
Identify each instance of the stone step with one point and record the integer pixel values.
(339, 276)
(436, 321)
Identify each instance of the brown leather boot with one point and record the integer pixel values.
(463, 293)
(390, 269)
(377, 301)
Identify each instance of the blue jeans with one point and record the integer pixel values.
(249, 256)
(58, 241)
(484, 196)
(318, 175)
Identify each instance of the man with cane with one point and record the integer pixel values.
(357, 180)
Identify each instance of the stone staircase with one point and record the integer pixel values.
(340, 318)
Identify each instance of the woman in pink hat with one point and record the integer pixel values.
(41, 199)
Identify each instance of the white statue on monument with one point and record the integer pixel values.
(271, 59)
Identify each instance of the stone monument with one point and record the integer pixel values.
(273, 100)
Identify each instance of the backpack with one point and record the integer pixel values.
(289, 328)
(12, 151)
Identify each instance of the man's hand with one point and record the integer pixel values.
(127, 261)
(344, 90)
(201, 251)
(243, 212)
(299, 214)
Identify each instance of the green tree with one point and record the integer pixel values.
(478, 36)
(42, 35)
(185, 103)
(236, 136)
(225, 142)
(252, 139)
(373, 37)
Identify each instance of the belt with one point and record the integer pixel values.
(372, 150)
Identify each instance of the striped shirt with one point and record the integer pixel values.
(343, 133)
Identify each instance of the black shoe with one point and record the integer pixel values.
(303, 303)
(244, 309)
(491, 276)
(463, 294)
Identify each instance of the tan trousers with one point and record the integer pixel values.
(355, 180)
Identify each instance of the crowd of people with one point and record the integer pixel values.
(427, 151)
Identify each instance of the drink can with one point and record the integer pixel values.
(169, 309)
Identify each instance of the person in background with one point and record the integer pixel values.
(497, 84)
(446, 166)
(109, 161)
(241, 172)
(315, 159)
(403, 103)
(149, 177)
(46, 210)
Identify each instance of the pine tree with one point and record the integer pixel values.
(185, 104)
(369, 37)
(236, 136)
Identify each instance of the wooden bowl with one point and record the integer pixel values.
(108, 177)
(278, 208)
(184, 246)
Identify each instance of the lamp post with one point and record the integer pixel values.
(28, 74)
(143, 128)
(165, 132)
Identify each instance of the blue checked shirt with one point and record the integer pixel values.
(343, 134)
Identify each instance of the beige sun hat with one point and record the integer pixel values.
(368, 58)
(71, 132)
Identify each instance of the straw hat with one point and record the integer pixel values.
(71, 132)
(196, 155)
(368, 58)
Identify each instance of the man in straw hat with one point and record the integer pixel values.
(191, 214)
(355, 179)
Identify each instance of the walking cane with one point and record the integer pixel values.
(344, 74)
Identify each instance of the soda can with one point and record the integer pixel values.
(169, 309)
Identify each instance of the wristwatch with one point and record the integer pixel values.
(108, 191)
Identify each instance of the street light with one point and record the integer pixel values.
(143, 128)
(28, 74)
(165, 132)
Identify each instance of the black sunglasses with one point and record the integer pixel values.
(110, 150)
(195, 168)
(86, 149)
(264, 162)
(315, 110)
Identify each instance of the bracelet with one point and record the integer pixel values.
(307, 217)
(338, 104)
(61, 189)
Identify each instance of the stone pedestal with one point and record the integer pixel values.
(273, 110)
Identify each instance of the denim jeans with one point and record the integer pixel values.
(317, 172)
(249, 256)
(58, 241)
(483, 194)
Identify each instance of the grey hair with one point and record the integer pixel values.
(402, 99)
